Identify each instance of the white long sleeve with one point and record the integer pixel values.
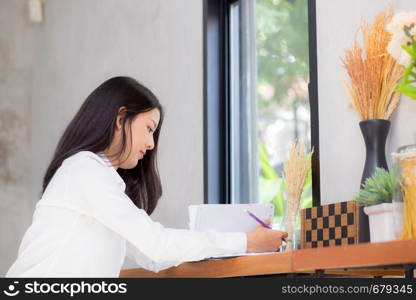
(155, 245)
(84, 224)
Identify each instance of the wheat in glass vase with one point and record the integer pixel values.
(295, 169)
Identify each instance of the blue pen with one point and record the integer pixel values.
(260, 221)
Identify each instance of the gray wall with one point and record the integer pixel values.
(16, 205)
(81, 44)
(342, 149)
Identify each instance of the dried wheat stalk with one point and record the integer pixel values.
(295, 171)
(373, 78)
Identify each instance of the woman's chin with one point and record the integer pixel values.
(130, 165)
(134, 164)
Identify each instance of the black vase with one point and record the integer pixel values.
(375, 135)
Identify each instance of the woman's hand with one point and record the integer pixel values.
(262, 239)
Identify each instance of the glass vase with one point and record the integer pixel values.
(404, 200)
(292, 225)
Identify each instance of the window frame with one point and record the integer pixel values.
(216, 101)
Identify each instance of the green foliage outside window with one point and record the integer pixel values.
(282, 46)
(282, 64)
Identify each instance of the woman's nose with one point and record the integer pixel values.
(151, 144)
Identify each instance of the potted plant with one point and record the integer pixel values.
(376, 195)
(373, 75)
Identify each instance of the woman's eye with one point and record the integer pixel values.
(150, 129)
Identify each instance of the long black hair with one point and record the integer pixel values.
(92, 129)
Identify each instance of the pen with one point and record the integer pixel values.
(260, 221)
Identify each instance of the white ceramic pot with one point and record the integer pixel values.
(383, 220)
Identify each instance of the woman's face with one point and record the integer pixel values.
(143, 126)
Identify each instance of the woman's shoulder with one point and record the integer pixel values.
(89, 165)
(81, 156)
(85, 160)
(87, 157)
(79, 169)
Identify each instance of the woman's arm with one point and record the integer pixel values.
(155, 246)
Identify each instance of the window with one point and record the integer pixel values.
(261, 89)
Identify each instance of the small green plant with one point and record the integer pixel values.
(379, 188)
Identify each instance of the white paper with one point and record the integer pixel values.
(229, 218)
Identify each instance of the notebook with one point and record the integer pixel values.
(228, 218)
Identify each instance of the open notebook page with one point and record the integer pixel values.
(228, 218)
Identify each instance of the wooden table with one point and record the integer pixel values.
(396, 258)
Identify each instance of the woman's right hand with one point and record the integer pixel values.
(262, 239)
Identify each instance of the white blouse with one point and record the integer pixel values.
(84, 225)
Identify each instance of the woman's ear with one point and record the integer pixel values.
(119, 119)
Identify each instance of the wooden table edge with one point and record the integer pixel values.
(365, 255)
(265, 264)
(348, 258)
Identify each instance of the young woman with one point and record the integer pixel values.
(100, 189)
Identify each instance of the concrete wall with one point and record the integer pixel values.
(81, 44)
(16, 65)
(342, 149)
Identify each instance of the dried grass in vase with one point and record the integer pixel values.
(295, 171)
(373, 72)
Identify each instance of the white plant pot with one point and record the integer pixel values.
(383, 220)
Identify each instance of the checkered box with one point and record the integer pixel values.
(330, 225)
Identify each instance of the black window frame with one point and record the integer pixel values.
(216, 98)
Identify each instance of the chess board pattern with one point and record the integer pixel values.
(330, 225)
